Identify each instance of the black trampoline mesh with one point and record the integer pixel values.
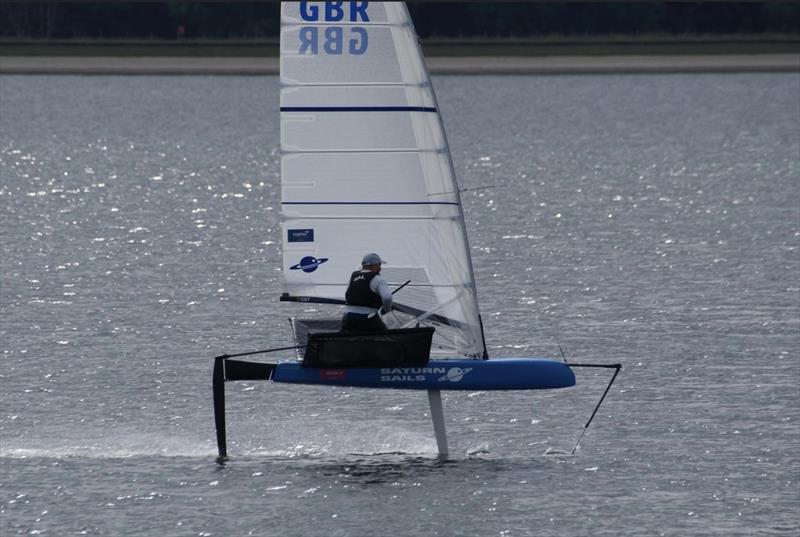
(393, 348)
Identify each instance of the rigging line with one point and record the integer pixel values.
(225, 356)
(462, 190)
(617, 368)
(477, 188)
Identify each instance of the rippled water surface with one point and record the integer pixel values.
(649, 220)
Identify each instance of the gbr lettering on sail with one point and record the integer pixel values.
(335, 40)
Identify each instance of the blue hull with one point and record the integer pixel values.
(495, 374)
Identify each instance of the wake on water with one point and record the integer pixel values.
(422, 449)
(117, 448)
(325, 443)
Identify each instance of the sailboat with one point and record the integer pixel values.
(366, 167)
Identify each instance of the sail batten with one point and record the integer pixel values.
(285, 151)
(357, 109)
(365, 167)
(369, 203)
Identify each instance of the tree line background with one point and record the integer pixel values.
(258, 20)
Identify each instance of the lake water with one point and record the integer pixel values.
(648, 220)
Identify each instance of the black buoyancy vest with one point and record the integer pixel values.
(358, 292)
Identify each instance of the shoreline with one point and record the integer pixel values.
(437, 65)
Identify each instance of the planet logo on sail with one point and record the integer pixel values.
(455, 374)
(309, 263)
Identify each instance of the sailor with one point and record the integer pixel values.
(367, 296)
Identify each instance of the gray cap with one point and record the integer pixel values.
(371, 259)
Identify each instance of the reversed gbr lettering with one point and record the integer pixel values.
(332, 40)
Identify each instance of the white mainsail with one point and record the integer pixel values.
(365, 166)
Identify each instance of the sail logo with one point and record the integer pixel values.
(309, 263)
(334, 40)
(420, 374)
(455, 374)
(332, 374)
(409, 374)
(301, 235)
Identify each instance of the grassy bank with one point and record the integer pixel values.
(650, 45)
